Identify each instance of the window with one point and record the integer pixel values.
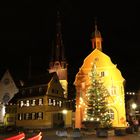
(50, 102)
(111, 113)
(60, 103)
(20, 116)
(40, 101)
(54, 102)
(33, 102)
(23, 92)
(26, 116)
(27, 103)
(102, 74)
(52, 90)
(33, 116)
(30, 91)
(10, 119)
(21, 103)
(60, 116)
(113, 90)
(40, 115)
(40, 90)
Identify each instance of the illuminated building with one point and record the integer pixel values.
(39, 104)
(112, 79)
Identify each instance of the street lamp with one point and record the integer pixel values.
(134, 106)
(64, 111)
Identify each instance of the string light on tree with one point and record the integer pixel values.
(96, 101)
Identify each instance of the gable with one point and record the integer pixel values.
(55, 87)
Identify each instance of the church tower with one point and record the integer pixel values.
(96, 39)
(58, 62)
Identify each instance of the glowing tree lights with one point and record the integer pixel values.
(96, 101)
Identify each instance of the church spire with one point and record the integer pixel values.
(58, 62)
(59, 53)
(96, 39)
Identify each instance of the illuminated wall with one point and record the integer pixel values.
(112, 80)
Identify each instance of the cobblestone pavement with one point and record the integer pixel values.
(50, 135)
(93, 137)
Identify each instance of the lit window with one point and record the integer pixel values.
(54, 102)
(39, 115)
(33, 116)
(27, 103)
(40, 101)
(27, 116)
(21, 103)
(33, 102)
(111, 113)
(50, 102)
(60, 103)
(20, 116)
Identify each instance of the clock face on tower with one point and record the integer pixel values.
(6, 98)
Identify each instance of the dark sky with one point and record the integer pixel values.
(27, 28)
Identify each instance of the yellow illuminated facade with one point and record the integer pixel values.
(112, 79)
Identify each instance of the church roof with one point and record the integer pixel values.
(102, 62)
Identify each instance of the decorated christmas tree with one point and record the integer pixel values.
(96, 101)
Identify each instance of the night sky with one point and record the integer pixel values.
(28, 28)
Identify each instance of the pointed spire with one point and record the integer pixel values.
(59, 54)
(96, 38)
